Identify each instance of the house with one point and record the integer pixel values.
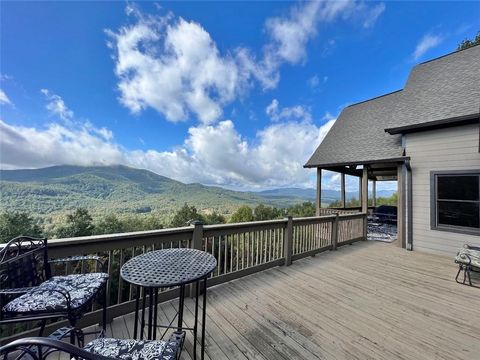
(425, 136)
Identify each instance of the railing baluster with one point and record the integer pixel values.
(225, 239)
(235, 246)
(219, 257)
(232, 245)
(110, 277)
(120, 280)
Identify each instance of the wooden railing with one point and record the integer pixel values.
(339, 211)
(240, 249)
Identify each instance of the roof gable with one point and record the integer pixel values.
(444, 88)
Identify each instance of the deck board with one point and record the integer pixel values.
(365, 301)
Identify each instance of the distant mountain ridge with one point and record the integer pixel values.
(121, 189)
(310, 194)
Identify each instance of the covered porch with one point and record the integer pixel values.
(369, 173)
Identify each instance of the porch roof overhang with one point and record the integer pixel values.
(380, 170)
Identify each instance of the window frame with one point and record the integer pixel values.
(434, 201)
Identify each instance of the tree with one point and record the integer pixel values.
(13, 224)
(150, 222)
(214, 218)
(392, 200)
(185, 215)
(244, 213)
(79, 223)
(352, 202)
(304, 209)
(110, 224)
(467, 43)
(262, 212)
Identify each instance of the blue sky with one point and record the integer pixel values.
(226, 93)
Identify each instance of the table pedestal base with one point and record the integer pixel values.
(152, 325)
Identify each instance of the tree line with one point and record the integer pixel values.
(81, 223)
(354, 202)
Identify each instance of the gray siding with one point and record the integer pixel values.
(439, 150)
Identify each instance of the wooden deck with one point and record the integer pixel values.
(366, 301)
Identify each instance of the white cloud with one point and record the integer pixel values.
(4, 100)
(175, 67)
(314, 81)
(211, 154)
(25, 147)
(372, 14)
(427, 42)
(218, 154)
(291, 34)
(297, 112)
(56, 105)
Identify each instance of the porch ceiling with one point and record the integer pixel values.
(377, 171)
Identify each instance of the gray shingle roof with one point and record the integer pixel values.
(439, 89)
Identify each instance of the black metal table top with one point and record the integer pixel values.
(168, 267)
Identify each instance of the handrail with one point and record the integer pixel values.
(240, 248)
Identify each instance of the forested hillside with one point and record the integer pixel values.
(119, 189)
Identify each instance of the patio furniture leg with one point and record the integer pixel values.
(73, 332)
(150, 313)
(137, 305)
(142, 328)
(104, 313)
(42, 327)
(180, 307)
(155, 315)
(204, 316)
(195, 326)
(458, 273)
(72, 337)
(468, 270)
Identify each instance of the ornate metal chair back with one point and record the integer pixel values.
(23, 263)
(45, 349)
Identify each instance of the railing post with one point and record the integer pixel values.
(365, 226)
(197, 243)
(335, 232)
(288, 241)
(197, 236)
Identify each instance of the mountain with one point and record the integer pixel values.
(328, 196)
(53, 191)
(120, 189)
(308, 194)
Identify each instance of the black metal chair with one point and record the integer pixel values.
(29, 292)
(468, 260)
(38, 348)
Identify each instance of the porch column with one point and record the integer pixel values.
(319, 192)
(374, 192)
(360, 190)
(342, 190)
(401, 197)
(364, 192)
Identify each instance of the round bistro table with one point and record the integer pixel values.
(164, 269)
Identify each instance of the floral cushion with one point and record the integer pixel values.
(129, 349)
(468, 256)
(51, 295)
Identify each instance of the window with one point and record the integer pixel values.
(456, 201)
